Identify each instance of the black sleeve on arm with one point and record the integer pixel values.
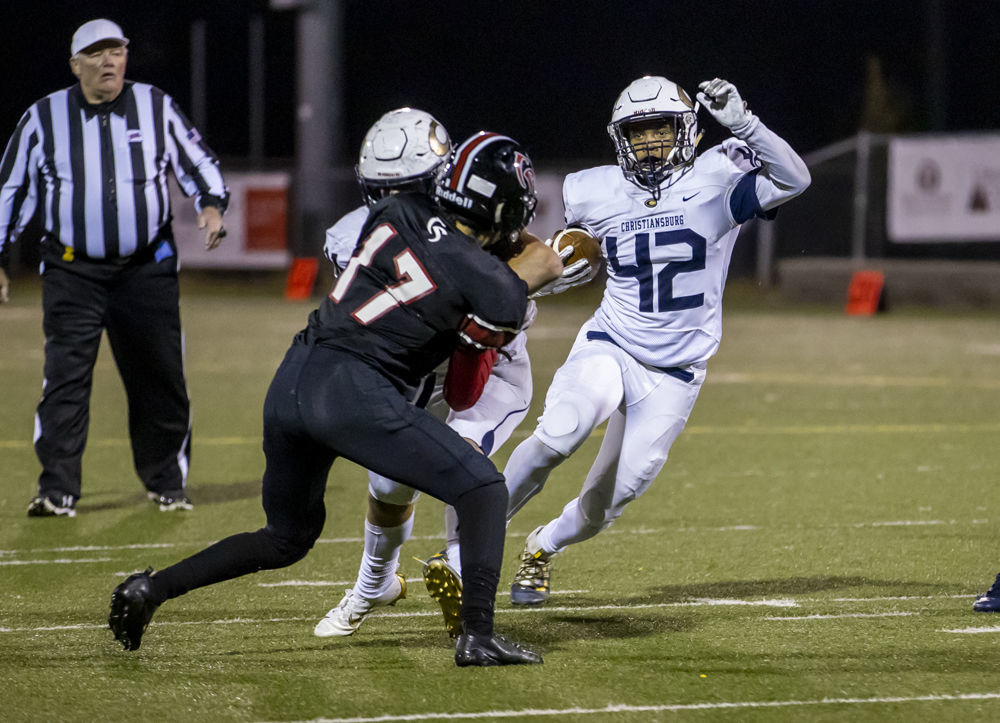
(495, 293)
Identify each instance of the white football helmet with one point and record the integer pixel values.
(405, 148)
(654, 98)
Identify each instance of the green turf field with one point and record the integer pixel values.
(811, 550)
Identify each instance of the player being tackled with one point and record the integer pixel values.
(668, 218)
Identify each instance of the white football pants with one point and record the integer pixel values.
(646, 409)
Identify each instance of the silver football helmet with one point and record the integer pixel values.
(657, 101)
(406, 149)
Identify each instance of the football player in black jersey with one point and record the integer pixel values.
(418, 286)
(408, 149)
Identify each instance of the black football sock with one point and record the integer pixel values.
(232, 557)
(481, 530)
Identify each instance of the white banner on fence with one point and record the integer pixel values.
(944, 189)
(255, 222)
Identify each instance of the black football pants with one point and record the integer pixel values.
(136, 302)
(323, 404)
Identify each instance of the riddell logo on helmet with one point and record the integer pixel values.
(458, 199)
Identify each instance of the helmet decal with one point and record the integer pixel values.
(684, 97)
(490, 184)
(406, 149)
(438, 141)
(466, 153)
(525, 171)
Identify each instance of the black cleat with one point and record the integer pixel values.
(485, 650)
(989, 601)
(132, 607)
(170, 501)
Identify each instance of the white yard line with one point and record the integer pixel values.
(783, 618)
(664, 707)
(431, 613)
(973, 631)
(74, 561)
(89, 548)
(886, 598)
(701, 602)
(517, 535)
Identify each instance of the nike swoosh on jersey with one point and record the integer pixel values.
(688, 198)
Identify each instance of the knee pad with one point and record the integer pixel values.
(386, 490)
(567, 423)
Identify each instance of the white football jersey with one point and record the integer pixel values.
(668, 259)
(342, 237)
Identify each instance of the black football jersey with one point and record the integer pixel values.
(410, 284)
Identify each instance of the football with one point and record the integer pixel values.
(584, 246)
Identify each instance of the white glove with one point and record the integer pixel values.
(576, 274)
(723, 102)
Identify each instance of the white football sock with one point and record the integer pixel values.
(381, 557)
(451, 538)
(568, 528)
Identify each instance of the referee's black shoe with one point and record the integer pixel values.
(485, 650)
(170, 501)
(47, 506)
(132, 607)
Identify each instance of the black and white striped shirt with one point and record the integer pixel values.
(98, 173)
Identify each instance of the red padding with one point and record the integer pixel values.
(468, 372)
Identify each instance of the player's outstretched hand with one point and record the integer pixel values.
(725, 104)
(4, 287)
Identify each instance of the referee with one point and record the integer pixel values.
(89, 162)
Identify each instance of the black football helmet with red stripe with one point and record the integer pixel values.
(490, 185)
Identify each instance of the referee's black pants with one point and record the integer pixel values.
(136, 301)
(324, 404)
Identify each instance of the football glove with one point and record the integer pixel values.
(723, 102)
(576, 274)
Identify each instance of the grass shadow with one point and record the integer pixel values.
(202, 495)
(785, 586)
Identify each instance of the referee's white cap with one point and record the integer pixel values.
(94, 32)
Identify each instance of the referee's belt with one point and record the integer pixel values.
(676, 372)
(156, 250)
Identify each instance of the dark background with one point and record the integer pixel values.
(544, 72)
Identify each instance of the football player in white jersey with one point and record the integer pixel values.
(667, 219)
(408, 150)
